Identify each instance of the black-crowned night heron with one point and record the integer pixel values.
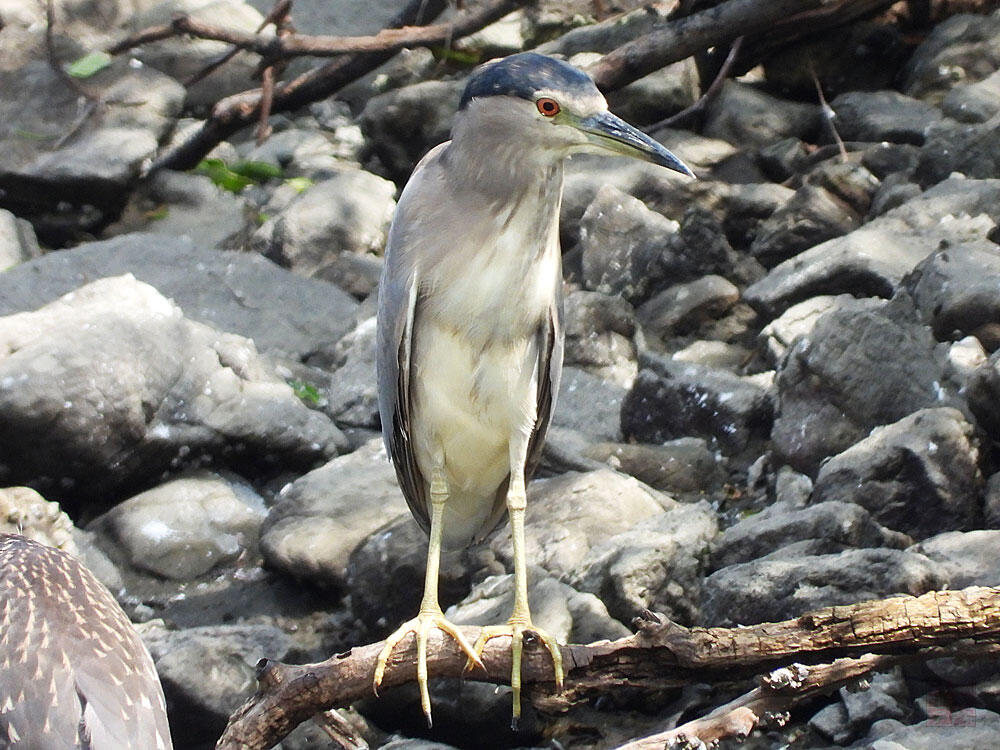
(73, 671)
(470, 341)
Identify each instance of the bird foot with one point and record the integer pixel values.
(421, 627)
(515, 630)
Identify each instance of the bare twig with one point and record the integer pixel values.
(710, 93)
(662, 655)
(829, 115)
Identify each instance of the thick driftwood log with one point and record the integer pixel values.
(846, 641)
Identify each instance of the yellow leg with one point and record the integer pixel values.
(520, 618)
(430, 616)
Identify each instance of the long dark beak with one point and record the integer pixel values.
(610, 133)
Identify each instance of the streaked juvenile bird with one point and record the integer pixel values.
(470, 340)
(73, 671)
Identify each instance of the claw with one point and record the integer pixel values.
(421, 626)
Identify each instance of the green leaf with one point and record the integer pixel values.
(457, 56)
(258, 171)
(299, 184)
(306, 391)
(86, 66)
(217, 171)
(158, 214)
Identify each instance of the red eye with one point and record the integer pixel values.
(548, 107)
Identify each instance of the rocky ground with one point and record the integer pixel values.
(782, 384)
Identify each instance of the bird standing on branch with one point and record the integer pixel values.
(470, 340)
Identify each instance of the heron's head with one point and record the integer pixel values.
(545, 106)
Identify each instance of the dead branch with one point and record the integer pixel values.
(235, 112)
(720, 25)
(845, 642)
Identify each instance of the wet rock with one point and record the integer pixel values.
(589, 404)
(208, 672)
(385, 574)
(748, 117)
(682, 465)
(672, 399)
(17, 240)
(969, 149)
(799, 320)
(878, 116)
(681, 308)
(99, 163)
(317, 520)
(960, 50)
(918, 475)
(181, 57)
(599, 335)
(569, 516)
(656, 565)
(832, 202)
(403, 124)
(622, 243)
(184, 528)
(873, 259)
(331, 228)
(779, 589)
(111, 385)
(957, 289)
(970, 558)
(857, 369)
(836, 526)
(976, 102)
(23, 511)
(231, 291)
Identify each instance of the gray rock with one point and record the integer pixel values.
(672, 399)
(569, 515)
(748, 117)
(873, 259)
(958, 289)
(968, 729)
(959, 50)
(681, 308)
(658, 565)
(778, 589)
(918, 475)
(975, 102)
(885, 159)
(982, 389)
(971, 558)
(23, 511)
(831, 722)
(403, 124)
(318, 520)
(568, 615)
(991, 502)
(682, 465)
(832, 202)
(184, 528)
(327, 230)
(800, 319)
(657, 95)
(111, 385)
(883, 116)
(836, 525)
(208, 672)
(17, 241)
(385, 575)
(299, 152)
(589, 404)
(100, 162)
(599, 335)
(857, 369)
(181, 57)
(353, 391)
(885, 698)
(622, 241)
(231, 291)
(178, 204)
(970, 149)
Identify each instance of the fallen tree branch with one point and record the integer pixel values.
(661, 655)
(720, 25)
(236, 112)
